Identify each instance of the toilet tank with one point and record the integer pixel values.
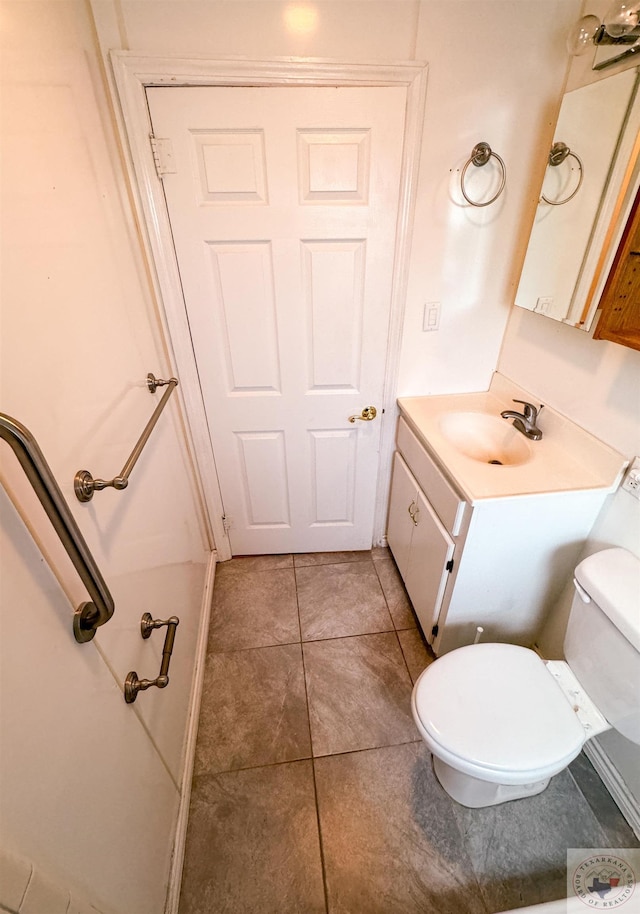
(602, 644)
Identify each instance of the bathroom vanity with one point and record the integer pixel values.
(485, 525)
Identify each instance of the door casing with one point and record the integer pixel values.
(132, 74)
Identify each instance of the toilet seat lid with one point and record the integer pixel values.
(497, 706)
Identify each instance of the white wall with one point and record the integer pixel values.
(596, 384)
(497, 78)
(481, 86)
(89, 787)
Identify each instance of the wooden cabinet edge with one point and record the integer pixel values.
(620, 322)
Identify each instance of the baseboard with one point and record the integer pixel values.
(612, 780)
(177, 860)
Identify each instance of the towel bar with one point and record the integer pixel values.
(84, 485)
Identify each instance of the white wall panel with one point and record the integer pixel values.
(83, 791)
(80, 769)
(255, 28)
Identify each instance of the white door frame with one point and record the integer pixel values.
(133, 73)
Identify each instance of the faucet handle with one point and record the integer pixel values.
(531, 412)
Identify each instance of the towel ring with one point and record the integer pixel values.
(480, 155)
(559, 152)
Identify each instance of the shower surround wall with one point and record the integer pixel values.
(89, 787)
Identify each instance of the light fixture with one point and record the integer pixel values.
(301, 18)
(620, 26)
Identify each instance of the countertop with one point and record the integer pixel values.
(566, 459)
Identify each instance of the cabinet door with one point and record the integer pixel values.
(620, 318)
(402, 505)
(426, 576)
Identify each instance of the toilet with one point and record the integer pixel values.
(500, 721)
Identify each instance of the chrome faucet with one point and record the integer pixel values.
(525, 421)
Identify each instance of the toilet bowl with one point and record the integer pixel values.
(500, 722)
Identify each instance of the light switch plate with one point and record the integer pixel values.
(431, 319)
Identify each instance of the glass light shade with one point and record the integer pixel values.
(621, 18)
(301, 18)
(581, 36)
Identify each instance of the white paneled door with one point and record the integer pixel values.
(283, 204)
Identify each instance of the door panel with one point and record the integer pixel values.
(333, 287)
(243, 295)
(283, 210)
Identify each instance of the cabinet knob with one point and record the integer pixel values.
(413, 512)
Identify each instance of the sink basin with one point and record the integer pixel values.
(485, 438)
(464, 432)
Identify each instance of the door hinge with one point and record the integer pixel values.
(162, 150)
(434, 631)
(449, 565)
(226, 523)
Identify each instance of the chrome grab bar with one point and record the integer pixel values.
(84, 485)
(88, 616)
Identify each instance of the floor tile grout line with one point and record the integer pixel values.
(386, 631)
(404, 658)
(406, 663)
(382, 591)
(480, 884)
(406, 742)
(313, 767)
(294, 564)
(305, 758)
(396, 630)
(337, 562)
(320, 841)
(287, 761)
(392, 561)
(255, 647)
(605, 831)
(304, 670)
(295, 584)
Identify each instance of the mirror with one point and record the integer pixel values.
(586, 196)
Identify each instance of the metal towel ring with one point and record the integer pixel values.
(480, 155)
(559, 152)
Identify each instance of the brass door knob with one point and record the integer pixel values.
(367, 414)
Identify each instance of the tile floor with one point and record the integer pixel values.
(312, 790)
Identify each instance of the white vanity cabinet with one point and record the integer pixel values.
(427, 521)
(466, 561)
(421, 545)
